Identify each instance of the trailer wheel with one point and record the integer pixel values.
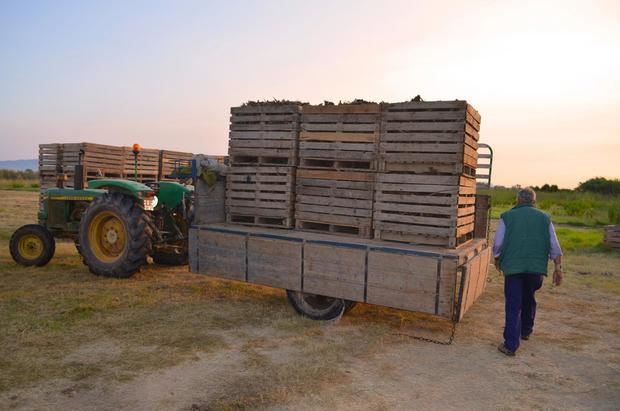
(32, 244)
(114, 236)
(316, 307)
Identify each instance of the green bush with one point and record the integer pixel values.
(600, 185)
(613, 213)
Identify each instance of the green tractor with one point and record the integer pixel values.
(115, 223)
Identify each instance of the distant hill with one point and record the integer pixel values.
(19, 165)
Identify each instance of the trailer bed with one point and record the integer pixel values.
(440, 281)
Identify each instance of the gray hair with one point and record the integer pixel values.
(526, 196)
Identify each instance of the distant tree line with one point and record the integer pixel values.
(547, 188)
(600, 185)
(18, 175)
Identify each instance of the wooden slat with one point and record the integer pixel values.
(334, 271)
(275, 263)
(341, 109)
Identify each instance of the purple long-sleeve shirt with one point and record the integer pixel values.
(554, 251)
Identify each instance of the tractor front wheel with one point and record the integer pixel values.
(32, 244)
(114, 237)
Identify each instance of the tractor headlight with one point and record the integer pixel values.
(150, 203)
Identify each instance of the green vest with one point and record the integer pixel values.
(526, 242)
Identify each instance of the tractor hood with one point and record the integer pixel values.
(127, 186)
(69, 194)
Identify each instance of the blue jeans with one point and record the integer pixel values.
(519, 290)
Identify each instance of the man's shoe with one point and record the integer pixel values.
(525, 337)
(502, 348)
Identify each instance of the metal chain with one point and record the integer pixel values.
(430, 340)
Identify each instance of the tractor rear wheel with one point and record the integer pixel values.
(114, 237)
(316, 307)
(32, 244)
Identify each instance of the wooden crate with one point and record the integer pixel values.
(99, 160)
(148, 164)
(264, 134)
(612, 236)
(433, 280)
(339, 137)
(334, 201)
(167, 159)
(50, 159)
(209, 202)
(424, 209)
(482, 220)
(260, 195)
(439, 137)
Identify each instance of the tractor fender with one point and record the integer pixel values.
(127, 187)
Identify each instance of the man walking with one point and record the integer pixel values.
(524, 241)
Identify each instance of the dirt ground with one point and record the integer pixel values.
(169, 339)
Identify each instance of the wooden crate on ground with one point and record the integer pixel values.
(424, 209)
(264, 134)
(260, 195)
(339, 137)
(438, 137)
(334, 201)
(612, 236)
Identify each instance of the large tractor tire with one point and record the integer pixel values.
(170, 259)
(114, 237)
(316, 307)
(32, 244)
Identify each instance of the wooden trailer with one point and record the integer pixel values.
(338, 270)
(310, 186)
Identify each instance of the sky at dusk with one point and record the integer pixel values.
(545, 75)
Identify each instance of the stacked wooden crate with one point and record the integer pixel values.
(148, 164)
(167, 160)
(263, 158)
(99, 160)
(337, 167)
(105, 161)
(612, 236)
(426, 186)
(50, 165)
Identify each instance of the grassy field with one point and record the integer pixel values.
(578, 217)
(169, 339)
(19, 184)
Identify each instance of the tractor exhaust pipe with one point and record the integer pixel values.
(78, 173)
(78, 177)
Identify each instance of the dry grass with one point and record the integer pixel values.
(60, 323)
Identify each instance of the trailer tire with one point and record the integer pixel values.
(114, 237)
(316, 307)
(32, 244)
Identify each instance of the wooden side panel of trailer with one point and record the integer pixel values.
(399, 276)
(274, 262)
(334, 271)
(222, 255)
(476, 273)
